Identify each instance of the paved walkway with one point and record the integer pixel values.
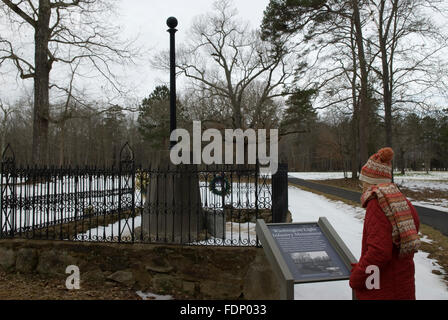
(431, 217)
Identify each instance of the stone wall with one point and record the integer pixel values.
(195, 272)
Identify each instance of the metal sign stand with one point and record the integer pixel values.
(279, 264)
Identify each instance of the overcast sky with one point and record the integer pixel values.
(147, 20)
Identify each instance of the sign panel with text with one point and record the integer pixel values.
(305, 253)
(308, 253)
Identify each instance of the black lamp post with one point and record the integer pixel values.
(172, 24)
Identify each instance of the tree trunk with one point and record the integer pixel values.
(387, 102)
(62, 143)
(2, 142)
(355, 117)
(41, 85)
(387, 83)
(403, 164)
(354, 154)
(364, 97)
(387, 93)
(3, 134)
(237, 117)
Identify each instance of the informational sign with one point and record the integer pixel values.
(305, 252)
(308, 253)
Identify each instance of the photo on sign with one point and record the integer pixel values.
(314, 262)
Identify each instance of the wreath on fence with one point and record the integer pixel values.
(141, 181)
(222, 182)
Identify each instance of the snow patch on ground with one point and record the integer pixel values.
(152, 296)
(422, 175)
(425, 239)
(112, 230)
(442, 206)
(417, 185)
(242, 234)
(236, 233)
(415, 181)
(347, 221)
(411, 180)
(319, 175)
(428, 286)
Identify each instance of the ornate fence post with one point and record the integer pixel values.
(280, 194)
(7, 188)
(257, 175)
(126, 198)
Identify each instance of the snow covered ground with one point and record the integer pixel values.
(417, 185)
(415, 181)
(348, 222)
(61, 199)
(412, 179)
(319, 175)
(112, 230)
(422, 175)
(436, 204)
(236, 233)
(152, 296)
(242, 196)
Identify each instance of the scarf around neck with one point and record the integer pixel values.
(396, 208)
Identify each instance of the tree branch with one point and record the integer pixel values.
(14, 7)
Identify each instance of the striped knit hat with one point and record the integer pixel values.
(378, 168)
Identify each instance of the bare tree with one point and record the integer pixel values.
(409, 46)
(364, 103)
(228, 60)
(67, 111)
(335, 34)
(65, 32)
(5, 121)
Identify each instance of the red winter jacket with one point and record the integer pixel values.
(397, 280)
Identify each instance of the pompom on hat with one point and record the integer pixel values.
(378, 168)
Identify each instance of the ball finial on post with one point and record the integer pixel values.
(172, 22)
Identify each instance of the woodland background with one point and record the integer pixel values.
(339, 79)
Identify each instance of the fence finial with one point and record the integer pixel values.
(8, 154)
(127, 155)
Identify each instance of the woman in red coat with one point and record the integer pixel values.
(390, 235)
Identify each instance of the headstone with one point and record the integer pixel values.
(215, 222)
(173, 208)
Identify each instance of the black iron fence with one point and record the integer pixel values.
(213, 205)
